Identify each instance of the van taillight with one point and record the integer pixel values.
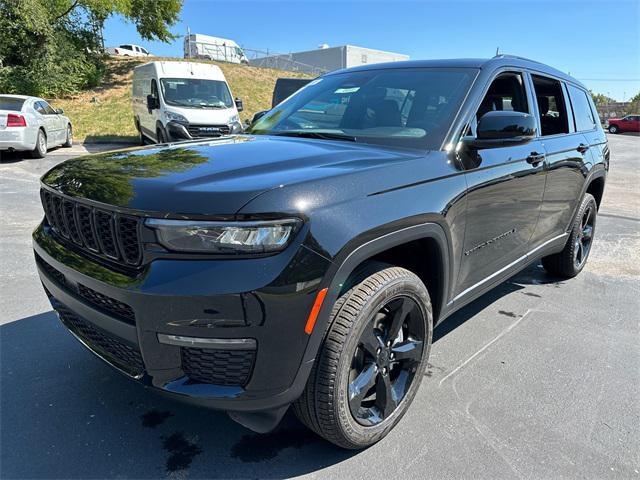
(14, 120)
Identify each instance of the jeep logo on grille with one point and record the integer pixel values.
(209, 129)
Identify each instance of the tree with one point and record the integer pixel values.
(52, 47)
(600, 99)
(634, 107)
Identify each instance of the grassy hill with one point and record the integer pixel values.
(104, 113)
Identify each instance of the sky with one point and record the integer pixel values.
(595, 42)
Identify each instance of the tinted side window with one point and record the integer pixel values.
(581, 111)
(49, 109)
(505, 93)
(40, 108)
(551, 106)
(154, 88)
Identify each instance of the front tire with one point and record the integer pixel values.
(572, 259)
(40, 149)
(613, 129)
(160, 136)
(372, 361)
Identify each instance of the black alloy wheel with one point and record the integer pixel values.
(385, 361)
(573, 257)
(373, 358)
(584, 238)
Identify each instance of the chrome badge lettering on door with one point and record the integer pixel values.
(489, 242)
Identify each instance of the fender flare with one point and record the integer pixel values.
(340, 271)
(597, 172)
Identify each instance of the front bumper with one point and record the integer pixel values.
(178, 131)
(126, 320)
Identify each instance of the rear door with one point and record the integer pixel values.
(49, 123)
(59, 130)
(505, 190)
(567, 156)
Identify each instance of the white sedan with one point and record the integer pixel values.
(31, 124)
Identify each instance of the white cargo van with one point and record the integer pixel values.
(213, 48)
(175, 101)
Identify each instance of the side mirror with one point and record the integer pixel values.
(503, 128)
(59, 111)
(258, 115)
(239, 105)
(152, 102)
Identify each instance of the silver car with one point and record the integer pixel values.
(31, 124)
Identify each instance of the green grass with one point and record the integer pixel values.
(104, 114)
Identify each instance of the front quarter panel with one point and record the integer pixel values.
(346, 212)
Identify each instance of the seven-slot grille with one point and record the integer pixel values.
(103, 233)
(208, 130)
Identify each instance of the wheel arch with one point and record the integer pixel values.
(398, 248)
(595, 187)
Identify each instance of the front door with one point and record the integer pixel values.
(505, 190)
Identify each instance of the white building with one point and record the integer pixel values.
(326, 59)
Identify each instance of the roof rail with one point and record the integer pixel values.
(506, 55)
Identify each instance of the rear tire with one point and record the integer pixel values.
(571, 260)
(613, 129)
(41, 145)
(69, 142)
(366, 376)
(142, 140)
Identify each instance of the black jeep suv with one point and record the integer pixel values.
(306, 262)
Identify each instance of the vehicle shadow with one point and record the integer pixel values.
(532, 275)
(66, 414)
(101, 143)
(14, 157)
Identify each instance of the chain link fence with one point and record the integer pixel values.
(248, 56)
(280, 61)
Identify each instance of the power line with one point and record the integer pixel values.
(610, 79)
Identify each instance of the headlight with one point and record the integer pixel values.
(224, 237)
(176, 117)
(234, 118)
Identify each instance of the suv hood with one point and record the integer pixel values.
(215, 177)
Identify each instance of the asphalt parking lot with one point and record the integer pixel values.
(540, 378)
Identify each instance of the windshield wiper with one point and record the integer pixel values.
(312, 134)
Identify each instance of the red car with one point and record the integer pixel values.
(630, 123)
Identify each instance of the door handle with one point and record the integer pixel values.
(535, 158)
(582, 148)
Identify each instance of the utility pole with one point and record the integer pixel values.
(189, 43)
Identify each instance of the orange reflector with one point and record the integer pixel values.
(313, 316)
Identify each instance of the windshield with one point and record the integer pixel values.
(403, 107)
(196, 93)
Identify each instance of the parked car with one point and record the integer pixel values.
(31, 124)
(283, 89)
(175, 101)
(630, 123)
(213, 48)
(306, 262)
(129, 50)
